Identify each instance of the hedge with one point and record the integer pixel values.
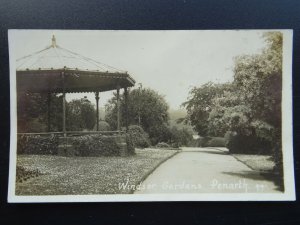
(208, 142)
(243, 144)
(37, 144)
(163, 145)
(85, 145)
(102, 145)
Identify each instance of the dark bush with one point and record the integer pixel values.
(139, 137)
(37, 144)
(163, 145)
(96, 145)
(210, 142)
(103, 126)
(103, 145)
(216, 142)
(243, 144)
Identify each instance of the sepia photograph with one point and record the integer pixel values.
(177, 115)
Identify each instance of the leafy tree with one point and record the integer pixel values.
(32, 110)
(80, 115)
(30, 107)
(145, 108)
(200, 104)
(254, 105)
(250, 106)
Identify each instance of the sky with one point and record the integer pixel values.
(170, 62)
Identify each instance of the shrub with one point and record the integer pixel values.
(216, 142)
(37, 144)
(162, 145)
(96, 145)
(103, 145)
(211, 142)
(243, 144)
(103, 126)
(180, 136)
(139, 137)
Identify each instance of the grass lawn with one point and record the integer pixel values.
(87, 175)
(262, 163)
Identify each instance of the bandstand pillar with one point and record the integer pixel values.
(48, 112)
(126, 107)
(97, 109)
(118, 110)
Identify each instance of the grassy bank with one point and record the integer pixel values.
(87, 175)
(263, 163)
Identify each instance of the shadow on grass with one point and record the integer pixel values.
(260, 176)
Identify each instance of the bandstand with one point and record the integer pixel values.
(59, 70)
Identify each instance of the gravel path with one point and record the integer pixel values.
(205, 170)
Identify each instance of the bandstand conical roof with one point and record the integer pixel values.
(56, 68)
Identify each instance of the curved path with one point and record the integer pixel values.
(205, 170)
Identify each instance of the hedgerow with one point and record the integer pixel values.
(102, 145)
(37, 144)
(243, 144)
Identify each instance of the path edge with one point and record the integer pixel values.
(153, 169)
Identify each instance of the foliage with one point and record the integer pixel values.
(200, 104)
(215, 142)
(159, 133)
(96, 145)
(103, 126)
(163, 145)
(37, 144)
(145, 108)
(139, 136)
(80, 115)
(103, 145)
(180, 137)
(28, 116)
(32, 109)
(208, 142)
(249, 107)
(247, 144)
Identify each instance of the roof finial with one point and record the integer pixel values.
(53, 42)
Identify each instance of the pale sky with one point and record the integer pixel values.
(170, 62)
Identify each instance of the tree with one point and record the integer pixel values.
(200, 104)
(146, 108)
(32, 110)
(80, 115)
(254, 105)
(253, 108)
(250, 106)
